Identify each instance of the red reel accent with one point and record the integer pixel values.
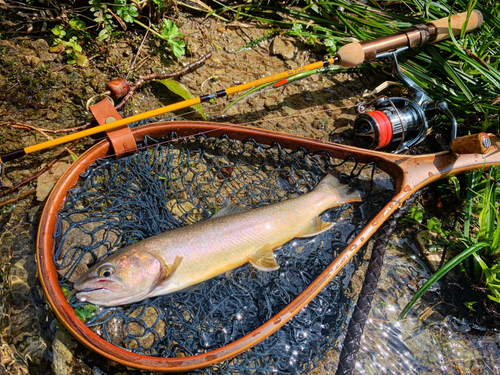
(385, 127)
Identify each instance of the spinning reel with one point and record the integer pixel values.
(397, 124)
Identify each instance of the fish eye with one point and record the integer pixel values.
(106, 271)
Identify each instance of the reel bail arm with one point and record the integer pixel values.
(398, 124)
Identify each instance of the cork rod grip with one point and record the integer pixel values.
(354, 54)
(457, 21)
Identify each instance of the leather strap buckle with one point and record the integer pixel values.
(122, 140)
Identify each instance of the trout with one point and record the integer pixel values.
(186, 256)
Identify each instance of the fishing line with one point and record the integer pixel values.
(248, 95)
(348, 56)
(229, 126)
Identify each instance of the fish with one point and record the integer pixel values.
(184, 257)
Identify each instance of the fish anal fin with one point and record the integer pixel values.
(316, 226)
(171, 270)
(228, 210)
(263, 259)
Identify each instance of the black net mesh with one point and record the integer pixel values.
(180, 181)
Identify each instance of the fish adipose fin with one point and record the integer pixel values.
(171, 270)
(315, 227)
(228, 210)
(263, 259)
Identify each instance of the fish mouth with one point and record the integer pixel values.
(92, 294)
(90, 290)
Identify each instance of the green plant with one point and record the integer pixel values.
(127, 12)
(70, 41)
(462, 70)
(480, 259)
(171, 34)
(102, 17)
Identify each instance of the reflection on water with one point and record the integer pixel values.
(428, 340)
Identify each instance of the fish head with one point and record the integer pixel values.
(122, 278)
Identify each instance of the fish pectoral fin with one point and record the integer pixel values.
(316, 226)
(228, 210)
(171, 270)
(263, 259)
(194, 288)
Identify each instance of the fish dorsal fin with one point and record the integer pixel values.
(228, 210)
(263, 259)
(171, 270)
(316, 226)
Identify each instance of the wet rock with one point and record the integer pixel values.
(64, 362)
(83, 234)
(66, 114)
(283, 48)
(51, 114)
(270, 104)
(287, 111)
(6, 183)
(42, 49)
(6, 241)
(11, 363)
(429, 246)
(192, 46)
(321, 123)
(141, 329)
(47, 180)
(31, 60)
(98, 82)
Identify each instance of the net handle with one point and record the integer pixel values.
(409, 172)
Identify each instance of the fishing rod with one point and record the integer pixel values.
(348, 56)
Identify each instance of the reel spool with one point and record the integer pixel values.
(396, 124)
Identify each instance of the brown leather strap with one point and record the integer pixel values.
(122, 139)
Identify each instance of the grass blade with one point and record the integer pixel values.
(441, 272)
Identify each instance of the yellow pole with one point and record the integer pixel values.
(162, 110)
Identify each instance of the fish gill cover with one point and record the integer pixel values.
(180, 181)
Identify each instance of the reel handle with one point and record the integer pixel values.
(472, 144)
(354, 54)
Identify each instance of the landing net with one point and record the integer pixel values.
(177, 182)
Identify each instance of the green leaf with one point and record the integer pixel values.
(434, 224)
(86, 312)
(456, 185)
(471, 183)
(487, 214)
(58, 30)
(77, 24)
(441, 272)
(82, 60)
(170, 30)
(181, 90)
(159, 4)
(331, 46)
(103, 35)
(470, 304)
(178, 47)
(416, 213)
(127, 13)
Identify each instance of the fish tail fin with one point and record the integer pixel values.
(338, 192)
